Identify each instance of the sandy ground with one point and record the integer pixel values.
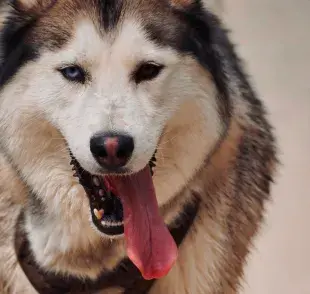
(274, 38)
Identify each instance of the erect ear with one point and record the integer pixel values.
(35, 7)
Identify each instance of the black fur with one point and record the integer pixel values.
(36, 208)
(15, 50)
(196, 31)
(110, 12)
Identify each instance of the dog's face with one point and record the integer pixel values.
(118, 80)
(101, 83)
(108, 72)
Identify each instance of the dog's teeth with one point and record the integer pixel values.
(98, 213)
(75, 175)
(101, 192)
(96, 181)
(112, 224)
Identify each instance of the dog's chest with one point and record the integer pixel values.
(126, 278)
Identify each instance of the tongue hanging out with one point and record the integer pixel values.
(149, 244)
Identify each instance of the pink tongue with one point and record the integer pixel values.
(149, 244)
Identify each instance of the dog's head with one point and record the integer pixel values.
(118, 80)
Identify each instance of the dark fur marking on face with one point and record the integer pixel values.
(195, 32)
(15, 50)
(23, 35)
(110, 12)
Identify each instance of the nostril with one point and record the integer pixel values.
(102, 152)
(125, 147)
(97, 147)
(122, 153)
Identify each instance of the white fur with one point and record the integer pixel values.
(110, 100)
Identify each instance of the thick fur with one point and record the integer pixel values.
(210, 130)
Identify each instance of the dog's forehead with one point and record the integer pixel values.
(57, 26)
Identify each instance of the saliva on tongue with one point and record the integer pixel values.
(150, 245)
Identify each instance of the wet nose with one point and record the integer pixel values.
(111, 151)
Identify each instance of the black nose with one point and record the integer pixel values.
(111, 151)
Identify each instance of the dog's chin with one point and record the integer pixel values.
(106, 208)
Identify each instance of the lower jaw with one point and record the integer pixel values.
(112, 230)
(110, 220)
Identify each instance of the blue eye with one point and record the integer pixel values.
(73, 73)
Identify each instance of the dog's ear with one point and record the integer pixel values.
(33, 7)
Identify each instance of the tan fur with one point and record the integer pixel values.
(13, 196)
(34, 7)
(181, 3)
(206, 244)
(197, 155)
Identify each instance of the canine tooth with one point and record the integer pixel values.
(98, 213)
(96, 181)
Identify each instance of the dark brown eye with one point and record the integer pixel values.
(73, 73)
(147, 71)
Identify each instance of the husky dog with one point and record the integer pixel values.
(135, 156)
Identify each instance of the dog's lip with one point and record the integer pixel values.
(116, 173)
(101, 172)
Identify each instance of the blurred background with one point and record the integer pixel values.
(273, 37)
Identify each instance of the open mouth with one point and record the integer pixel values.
(128, 204)
(105, 205)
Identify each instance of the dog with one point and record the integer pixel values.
(135, 155)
